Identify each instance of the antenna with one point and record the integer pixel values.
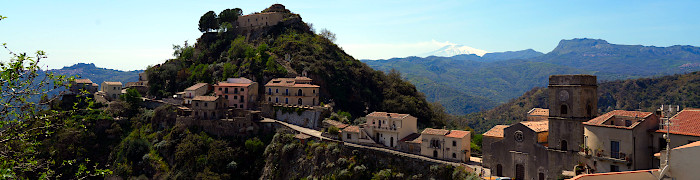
(666, 121)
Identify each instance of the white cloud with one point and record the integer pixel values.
(391, 50)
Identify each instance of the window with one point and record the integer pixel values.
(219, 88)
(615, 149)
(499, 170)
(205, 104)
(518, 136)
(269, 91)
(277, 91)
(235, 90)
(435, 153)
(277, 100)
(226, 90)
(614, 168)
(313, 101)
(299, 101)
(235, 97)
(314, 91)
(241, 105)
(564, 145)
(299, 92)
(662, 143)
(349, 136)
(269, 99)
(286, 100)
(235, 105)
(196, 104)
(454, 143)
(226, 96)
(286, 92)
(241, 89)
(454, 155)
(564, 109)
(242, 100)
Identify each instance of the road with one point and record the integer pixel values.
(317, 134)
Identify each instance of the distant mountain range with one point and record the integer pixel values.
(98, 75)
(453, 50)
(470, 83)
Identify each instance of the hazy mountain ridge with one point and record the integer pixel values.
(497, 77)
(97, 74)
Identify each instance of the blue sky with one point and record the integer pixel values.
(131, 35)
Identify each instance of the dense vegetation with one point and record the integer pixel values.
(473, 83)
(260, 56)
(647, 94)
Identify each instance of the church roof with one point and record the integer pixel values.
(686, 122)
(496, 131)
(537, 126)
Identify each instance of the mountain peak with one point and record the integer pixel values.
(455, 49)
(579, 44)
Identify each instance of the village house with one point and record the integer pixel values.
(350, 134)
(620, 141)
(292, 91)
(111, 90)
(538, 114)
(273, 16)
(240, 93)
(209, 107)
(199, 89)
(446, 144)
(387, 128)
(141, 85)
(79, 85)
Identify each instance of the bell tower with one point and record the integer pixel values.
(573, 99)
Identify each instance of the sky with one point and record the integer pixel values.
(131, 35)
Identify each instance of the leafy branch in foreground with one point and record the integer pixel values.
(25, 122)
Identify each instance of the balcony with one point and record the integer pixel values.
(617, 157)
(385, 128)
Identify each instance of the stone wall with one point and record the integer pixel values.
(223, 128)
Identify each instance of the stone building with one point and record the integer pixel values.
(620, 141)
(350, 134)
(521, 151)
(454, 145)
(209, 107)
(241, 93)
(259, 20)
(538, 114)
(292, 91)
(79, 85)
(111, 90)
(387, 128)
(199, 89)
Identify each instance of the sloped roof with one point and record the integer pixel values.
(693, 144)
(337, 124)
(432, 131)
(205, 98)
(231, 84)
(496, 131)
(113, 83)
(352, 129)
(386, 114)
(538, 112)
(240, 80)
(640, 174)
(410, 138)
(686, 122)
(537, 126)
(287, 82)
(83, 81)
(196, 86)
(600, 120)
(457, 134)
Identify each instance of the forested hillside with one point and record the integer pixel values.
(259, 54)
(647, 94)
(98, 75)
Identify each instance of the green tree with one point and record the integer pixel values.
(133, 99)
(208, 22)
(230, 15)
(24, 122)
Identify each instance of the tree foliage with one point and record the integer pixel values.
(208, 22)
(230, 15)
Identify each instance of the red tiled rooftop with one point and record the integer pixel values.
(537, 126)
(432, 131)
(337, 124)
(386, 114)
(496, 131)
(289, 82)
(83, 81)
(352, 129)
(457, 134)
(602, 118)
(538, 112)
(225, 84)
(686, 122)
(205, 98)
(640, 174)
(196, 86)
(410, 138)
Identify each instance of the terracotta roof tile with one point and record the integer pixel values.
(602, 118)
(352, 129)
(113, 83)
(686, 122)
(225, 84)
(386, 114)
(496, 131)
(337, 124)
(639, 174)
(410, 138)
(288, 82)
(538, 112)
(196, 86)
(205, 98)
(83, 81)
(537, 126)
(432, 131)
(457, 134)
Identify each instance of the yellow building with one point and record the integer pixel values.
(446, 144)
(259, 20)
(388, 128)
(292, 91)
(111, 89)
